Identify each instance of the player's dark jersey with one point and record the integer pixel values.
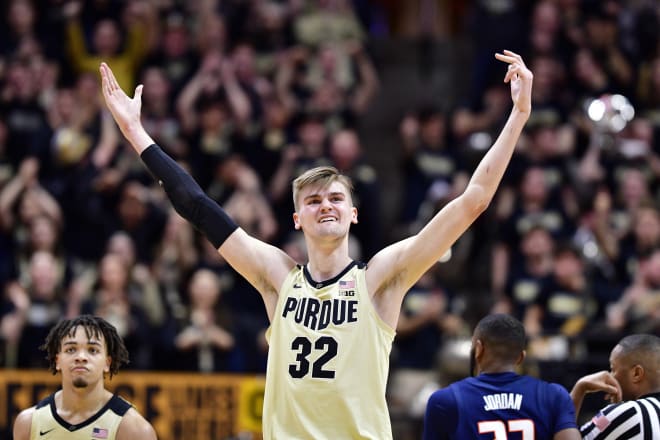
(502, 406)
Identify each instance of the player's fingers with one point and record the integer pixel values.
(105, 83)
(512, 70)
(514, 55)
(138, 93)
(112, 81)
(505, 58)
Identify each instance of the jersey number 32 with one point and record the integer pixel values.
(328, 348)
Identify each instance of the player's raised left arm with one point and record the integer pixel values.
(410, 258)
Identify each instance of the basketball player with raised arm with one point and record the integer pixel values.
(332, 320)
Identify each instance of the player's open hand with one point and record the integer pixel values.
(520, 78)
(125, 110)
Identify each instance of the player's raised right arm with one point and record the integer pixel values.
(264, 266)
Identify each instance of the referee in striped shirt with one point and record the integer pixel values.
(632, 386)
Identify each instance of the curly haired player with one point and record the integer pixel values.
(83, 350)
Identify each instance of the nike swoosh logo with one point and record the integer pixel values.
(45, 432)
(297, 286)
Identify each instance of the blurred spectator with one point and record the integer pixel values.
(247, 204)
(44, 234)
(545, 29)
(26, 121)
(563, 310)
(211, 107)
(262, 148)
(20, 29)
(114, 299)
(107, 43)
(431, 168)
(270, 28)
(638, 310)
(175, 257)
(347, 156)
(140, 217)
(535, 205)
(175, 52)
(597, 236)
(140, 278)
(14, 307)
(531, 264)
(23, 199)
(249, 319)
(428, 316)
(492, 25)
(327, 21)
(205, 342)
(641, 239)
(308, 150)
(210, 34)
(47, 303)
(158, 110)
(601, 38)
(648, 93)
(336, 81)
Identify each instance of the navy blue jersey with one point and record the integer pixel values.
(502, 406)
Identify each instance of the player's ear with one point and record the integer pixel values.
(296, 221)
(354, 215)
(521, 357)
(108, 362)
(478, 348)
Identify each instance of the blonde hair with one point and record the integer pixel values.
(322, 177)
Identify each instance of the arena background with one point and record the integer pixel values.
(416, 81)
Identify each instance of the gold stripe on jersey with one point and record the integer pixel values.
(48, 425)
(328, 361)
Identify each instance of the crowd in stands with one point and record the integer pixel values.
(247, 94)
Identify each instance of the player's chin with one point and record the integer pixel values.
(80, 383)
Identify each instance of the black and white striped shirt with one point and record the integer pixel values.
(632, 420)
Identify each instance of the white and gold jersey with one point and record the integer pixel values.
(48, 425)
(328, 360)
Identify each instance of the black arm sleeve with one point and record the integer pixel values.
(187, 197)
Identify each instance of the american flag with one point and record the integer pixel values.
(601, 421)
(347, 284)
(100, 433)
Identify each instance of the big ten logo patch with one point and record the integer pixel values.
(346, 287)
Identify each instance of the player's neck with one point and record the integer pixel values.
(326, 263)
(81, 402)
(495, 368)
